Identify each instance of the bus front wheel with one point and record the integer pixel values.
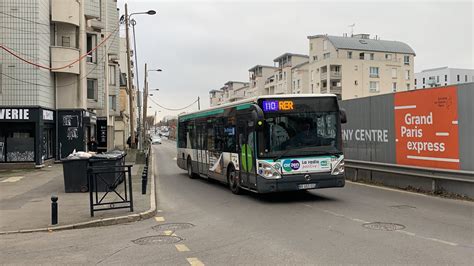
(190, 169)
(233, 179)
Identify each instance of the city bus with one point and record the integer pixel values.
(266, 144)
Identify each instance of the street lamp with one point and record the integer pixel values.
(130, 84)
(145, 94)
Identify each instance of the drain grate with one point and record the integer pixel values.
(157, 240)
(384, 226)
(172, 226)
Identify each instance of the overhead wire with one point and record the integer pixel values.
(173, 109)
(102, 60)
(8, 50)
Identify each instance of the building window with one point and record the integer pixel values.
(294, 84)
(349, 55)
(374, 86)
(388, 57)
(407, 74)
(312, 75)
(465, 78)
(298, 84)
(458, 78)
(112, 102)
(325, 45)
(66, 41)
(372, 56)
(356, 68)
(408, 86)
(415, 82)
(374, 72)
(423, 81)
(394, 87)
(394, 73)
(284, 75)
(361, 56)
(311, 46)
(91, 44)
(92, 89)
(437, 79)
(312, 88)
(326, 55)
(406, 60)
(356, 83)
(445, 77)
(112, 75)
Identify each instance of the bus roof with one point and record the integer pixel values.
(256, 98)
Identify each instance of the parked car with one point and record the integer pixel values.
(155, 140)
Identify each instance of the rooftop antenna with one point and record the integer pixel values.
(352, 29)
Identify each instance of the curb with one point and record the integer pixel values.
(151, 212)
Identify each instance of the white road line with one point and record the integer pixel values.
(424, 158)
(181, 247)
(442, 134)
(12, 179)
(160, 219)
(405, 107)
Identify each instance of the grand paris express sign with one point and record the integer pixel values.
(426, 125)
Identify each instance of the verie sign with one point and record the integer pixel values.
(14, 114)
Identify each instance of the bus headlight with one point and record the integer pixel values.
(338, 167)
(267, 171)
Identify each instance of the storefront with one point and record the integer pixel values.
(27, 135)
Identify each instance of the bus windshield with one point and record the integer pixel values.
(307, 129)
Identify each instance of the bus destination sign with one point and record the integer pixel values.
(276, 105)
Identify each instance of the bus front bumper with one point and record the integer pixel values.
(300, 182)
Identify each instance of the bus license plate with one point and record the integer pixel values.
(306, 186)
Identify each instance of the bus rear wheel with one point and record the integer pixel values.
(233, 179)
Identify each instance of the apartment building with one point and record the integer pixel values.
(357, 66)
(282, 80)
(55, 103)
(231, 91)
(122, 118)
(258, 76)
(443, 76)
(216, 97)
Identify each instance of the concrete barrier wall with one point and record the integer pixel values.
(432, 128)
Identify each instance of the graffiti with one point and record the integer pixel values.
(72, 133)
(70, 120)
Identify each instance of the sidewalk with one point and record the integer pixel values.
(25, 200)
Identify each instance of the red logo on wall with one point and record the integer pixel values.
(426, 124)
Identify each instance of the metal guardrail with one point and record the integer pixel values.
(431, 173)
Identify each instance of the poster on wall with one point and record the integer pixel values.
(426, 125)
(102, 133)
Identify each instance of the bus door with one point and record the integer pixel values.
(202, 157)
(246, 148)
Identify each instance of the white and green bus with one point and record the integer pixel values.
(266, 144)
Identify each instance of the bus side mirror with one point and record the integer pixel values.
(342, 114)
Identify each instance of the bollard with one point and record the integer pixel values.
(54, 210)
(144, 182)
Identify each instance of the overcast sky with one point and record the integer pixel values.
(202, 44)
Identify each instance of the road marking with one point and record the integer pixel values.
(159, 211)
(181, 247)
(12, 179)
(405, 107)
(194, 262)
(424, 158)
(160, 219)
(168, 232)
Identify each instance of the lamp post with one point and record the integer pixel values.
(145, 94)
(129, 78)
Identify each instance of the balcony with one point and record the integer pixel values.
(66, 11)
(335, 90)
(61, 56)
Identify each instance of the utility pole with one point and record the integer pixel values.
(130, 81)
(145, 102)
(199, 103)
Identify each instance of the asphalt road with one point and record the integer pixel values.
(316, 227)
